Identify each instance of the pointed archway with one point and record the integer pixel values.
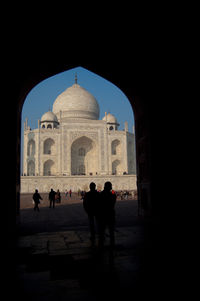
(83, 157)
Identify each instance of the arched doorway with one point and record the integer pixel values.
(48, 169)
(115, 147)
(49, 146)
(150, 167)
(116, 170)
(31, 168)
(140, 129)
(31, 148)
(84, 156)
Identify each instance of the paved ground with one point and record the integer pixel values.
(55, 260)
(69, 214)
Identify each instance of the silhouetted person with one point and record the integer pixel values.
(58, 197)
(106, 214)
(90, 201)
(70, 193)
(36, 198)
(82, 194)
(52, 194)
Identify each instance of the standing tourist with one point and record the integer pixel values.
(70, 193)
(90, 202)
(58, 197)
(52, 198)
(106, 214)
(36, 199)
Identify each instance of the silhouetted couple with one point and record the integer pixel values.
(101, 207)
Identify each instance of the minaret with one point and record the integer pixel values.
(106, 116)
(126, 126)
(76, 79)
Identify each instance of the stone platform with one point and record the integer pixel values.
(45, 183)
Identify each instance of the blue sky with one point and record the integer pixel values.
(110, 98)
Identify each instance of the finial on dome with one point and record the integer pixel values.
(76, 79)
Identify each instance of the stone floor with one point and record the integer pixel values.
(57, 262)
(64, 266)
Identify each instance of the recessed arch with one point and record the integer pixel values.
(81, 151)
(83, 157)
(48, 168)
(49, 146)
(116, 167)
(31, 168)
(31, 148)
(116, 147)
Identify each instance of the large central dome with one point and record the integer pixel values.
(76, 102)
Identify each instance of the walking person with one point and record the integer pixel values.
(36, 199)
(52, 198)
(106, 214)
(90, 201)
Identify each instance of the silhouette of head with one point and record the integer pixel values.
(36, 190)
(92, 186)
(108, 186)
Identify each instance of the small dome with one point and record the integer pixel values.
(76, 102)
(49, 117)
(110, 118)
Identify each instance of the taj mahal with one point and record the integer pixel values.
(71, 147)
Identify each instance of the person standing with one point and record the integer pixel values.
(90, 201)
(106, 214)
(58, 197)
(36, 199)
(70, 193)
(52, 194)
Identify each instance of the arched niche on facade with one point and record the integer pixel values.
(31, 148)
(31, 168)
(49, 146)
(116, 147)
(116, 167)
(83, 156)
(48, 169)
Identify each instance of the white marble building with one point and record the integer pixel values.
(71, 145)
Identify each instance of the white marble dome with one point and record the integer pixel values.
(110, 118)
(49, 117)
(76, 102)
